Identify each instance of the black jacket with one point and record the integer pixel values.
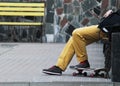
(110, 22)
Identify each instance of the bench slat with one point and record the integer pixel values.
(23, 4)
(22, 13)
(21, 23)
(20, 9)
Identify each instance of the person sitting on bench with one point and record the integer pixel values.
(77, 43)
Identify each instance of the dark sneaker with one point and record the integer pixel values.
(84, 64)
(53, 71)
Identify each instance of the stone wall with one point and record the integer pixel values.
(78, 13)
(59, 15)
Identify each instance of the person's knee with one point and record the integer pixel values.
(75, 32)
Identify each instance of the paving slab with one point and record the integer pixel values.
(23, 63)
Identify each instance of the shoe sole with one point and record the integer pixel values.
(51, 73)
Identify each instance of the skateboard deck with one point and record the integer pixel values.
(90, 72)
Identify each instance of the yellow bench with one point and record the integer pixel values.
(22, 10)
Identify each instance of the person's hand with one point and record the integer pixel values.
(108, 13)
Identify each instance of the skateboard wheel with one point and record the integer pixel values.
(102, 75)
(85, 74)
(74, 74)
(80, 71)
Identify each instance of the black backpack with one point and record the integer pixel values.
(111, 23)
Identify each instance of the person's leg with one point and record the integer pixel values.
(66, 55)
(76, 44)
(63, 60)
(81, 38)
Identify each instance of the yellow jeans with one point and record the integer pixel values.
(81, 37)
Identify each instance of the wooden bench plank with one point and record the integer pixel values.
(22, 4)
(21, 9)
(21, 23)
(22, 13)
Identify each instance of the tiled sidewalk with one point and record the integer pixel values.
(23, 62)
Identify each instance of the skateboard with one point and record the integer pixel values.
(90, 72)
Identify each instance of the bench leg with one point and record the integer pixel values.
(107, 54)
(115, 57)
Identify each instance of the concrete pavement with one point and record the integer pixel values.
(22, 64)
